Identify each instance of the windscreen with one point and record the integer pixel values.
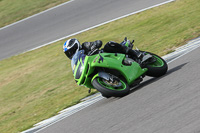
(77, 56)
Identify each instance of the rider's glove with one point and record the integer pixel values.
(96, 45)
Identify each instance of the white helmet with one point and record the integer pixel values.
(70, 47)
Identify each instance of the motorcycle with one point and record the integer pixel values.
(113, 74)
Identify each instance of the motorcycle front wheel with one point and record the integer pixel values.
(117, 88)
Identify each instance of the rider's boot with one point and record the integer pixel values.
(139, 54)
(135, 54)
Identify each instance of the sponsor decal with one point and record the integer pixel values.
(100, 59)
(95, 59)
(74, 67)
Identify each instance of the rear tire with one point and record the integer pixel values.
(109, 91)
(158, 68)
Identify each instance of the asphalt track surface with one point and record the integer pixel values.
(67, 19)
(169, 104)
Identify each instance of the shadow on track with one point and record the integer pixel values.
(152, 80)
(148, 82)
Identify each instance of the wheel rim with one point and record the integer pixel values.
(116, 85)
(159, 62)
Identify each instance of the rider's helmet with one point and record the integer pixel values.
(70, 47)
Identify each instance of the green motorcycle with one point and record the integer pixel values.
(113, 74)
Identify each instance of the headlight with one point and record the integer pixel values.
(79, 71)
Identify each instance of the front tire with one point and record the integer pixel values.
(107, 90)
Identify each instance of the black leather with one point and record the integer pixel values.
(91, 46)
(113, 47)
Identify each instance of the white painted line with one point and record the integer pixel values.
(183, 50)
(63, 114)
(100, 25)
(36, 15)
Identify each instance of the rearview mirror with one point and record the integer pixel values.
(125, 39)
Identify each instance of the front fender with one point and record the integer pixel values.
(103, 75)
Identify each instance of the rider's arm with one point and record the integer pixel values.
(90, 46)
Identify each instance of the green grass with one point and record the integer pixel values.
(14, 10)
(38, 84)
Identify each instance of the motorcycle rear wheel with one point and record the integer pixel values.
(158, 68)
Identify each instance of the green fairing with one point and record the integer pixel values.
(111, 61)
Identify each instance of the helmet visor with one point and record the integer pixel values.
(70, 52)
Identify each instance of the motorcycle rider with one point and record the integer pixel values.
(71, 46)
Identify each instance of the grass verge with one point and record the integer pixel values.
(36, 85)
(15, 10)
